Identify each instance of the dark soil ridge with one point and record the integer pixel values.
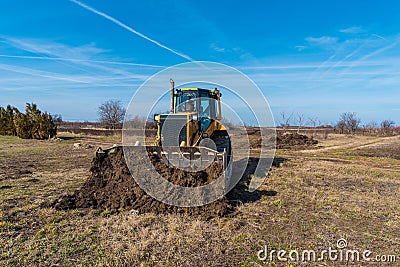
(286, 140)
(111, 187)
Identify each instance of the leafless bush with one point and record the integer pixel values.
(139, 122)
(348, 123)
(57, 118)
(111, 113)
(387, 127)
(313, 122)
(299, 121)
(371, 128)
(228, 124)
(285, 119)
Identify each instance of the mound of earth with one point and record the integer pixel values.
(284, 141)
(111, 186)
(294, 140)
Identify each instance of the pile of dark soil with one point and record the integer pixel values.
(112, 187)
(284, 141)
(294, 141)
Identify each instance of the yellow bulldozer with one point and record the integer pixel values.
(194, 126)
(191, 143)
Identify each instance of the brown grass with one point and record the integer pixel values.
(322, 195)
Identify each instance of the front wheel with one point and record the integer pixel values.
(223, 144)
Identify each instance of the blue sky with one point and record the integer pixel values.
(317, 58)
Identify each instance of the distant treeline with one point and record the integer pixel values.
(136, 123)
(31, 124)
(348, 123)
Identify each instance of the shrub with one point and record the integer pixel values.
(23, 126)
(32, 124)
(7, 120)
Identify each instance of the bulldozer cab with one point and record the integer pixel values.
(193, 126)
(202, 102)
(194, 116)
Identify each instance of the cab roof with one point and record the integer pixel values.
(196, 89)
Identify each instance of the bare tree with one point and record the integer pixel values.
(353, 122)
(348, 123)
(111, 113)
(228, 123)
(371, 127)
(341, 126)
(136, 122)
(300, 121)
(313, 121)
(285, 119)
(57, 118)
(387, 126)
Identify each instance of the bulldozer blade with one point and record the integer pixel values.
(186, 158)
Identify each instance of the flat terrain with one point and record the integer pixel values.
(347, 188)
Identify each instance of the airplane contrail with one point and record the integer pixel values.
(82, 60)
(123, 25)
(39, 73)
(380, 37)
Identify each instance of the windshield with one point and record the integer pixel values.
(200, 101)
(186, 102)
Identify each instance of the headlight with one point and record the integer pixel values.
(193, 117)
(155, 117)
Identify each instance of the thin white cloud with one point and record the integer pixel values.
(74, 57)
(83, 60)
(372, 54)
(40, 46)
(345, 52)
(322, 41)
(40, 65)
(123, 25)
(315, 65)
(300, 47)
(44, 74)
(34, 78)
(342, 62)
(353, 30)
(217, 48)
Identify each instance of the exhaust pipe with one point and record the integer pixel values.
(172, 108)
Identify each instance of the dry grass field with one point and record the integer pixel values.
(348, 188)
